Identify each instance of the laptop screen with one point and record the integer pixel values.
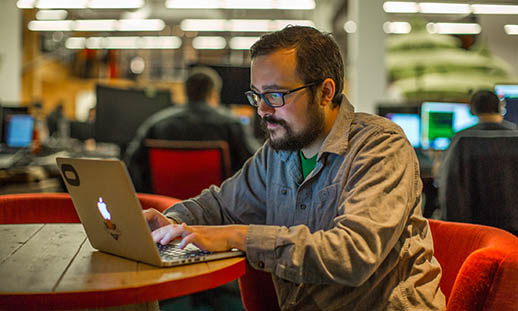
(19, 130)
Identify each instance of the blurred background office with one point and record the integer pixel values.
(85, 74)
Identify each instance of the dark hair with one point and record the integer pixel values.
(484, 102)
(200, 82)
(318, 55)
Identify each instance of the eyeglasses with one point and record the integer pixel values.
(274, 99)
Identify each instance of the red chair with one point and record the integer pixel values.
(58, 207)
(182, 169)
(479, 270)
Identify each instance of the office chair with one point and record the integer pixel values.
(478, 182)
(479, 270)
(182, 169)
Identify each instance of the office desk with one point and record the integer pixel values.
(49, 266)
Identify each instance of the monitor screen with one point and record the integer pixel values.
(440, 121)
(6, 113)
(236, 81)
(509, 93)
(19, 130)
(119, 112)
(411, 125)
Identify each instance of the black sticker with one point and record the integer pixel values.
(70, 174)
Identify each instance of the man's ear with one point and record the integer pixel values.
(328, 91)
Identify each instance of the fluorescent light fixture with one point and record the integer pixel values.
(350, 27)
(241, 4)
(25, 4)
(80, 4)
(75, 43)
(62, 4)
(204, 25)
(95, 25)
(66, 25)
(453, 28)
(511, 29)
(400, 7)
(494, 9)
(239, 25)
(444, 8)
(115, 4)
(397, 27)
(250, 25)
(131, 42)
(98, 25)
(140, 25)
(51, 14)
(209, 43)
(242, 43)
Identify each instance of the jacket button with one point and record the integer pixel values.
(260, 264)
(284, 191)
(303, 206)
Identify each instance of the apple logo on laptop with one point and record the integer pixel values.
(111, 227)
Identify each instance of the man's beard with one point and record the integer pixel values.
(295, 141)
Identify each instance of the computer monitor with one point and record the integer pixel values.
(440, 121)
(236, 81)
(19, 130)
(5, 113)
(119, 112)
(509, 94)
(411, 125)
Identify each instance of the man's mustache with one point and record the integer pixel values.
(272, 120)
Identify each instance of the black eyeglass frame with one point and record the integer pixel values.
(250, 93)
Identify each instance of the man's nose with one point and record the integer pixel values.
(263, 109)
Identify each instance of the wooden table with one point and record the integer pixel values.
(53, 266)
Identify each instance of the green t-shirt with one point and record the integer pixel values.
(307, 164)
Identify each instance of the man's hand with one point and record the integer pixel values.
(209, 238)
(155, 219)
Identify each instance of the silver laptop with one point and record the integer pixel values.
(111, 214)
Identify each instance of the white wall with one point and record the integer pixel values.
(10, 51)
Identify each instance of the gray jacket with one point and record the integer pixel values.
(348, 237)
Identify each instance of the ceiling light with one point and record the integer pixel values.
(66, 25)
(75, 43)
(444, 8)
(98, 25)
(95, 25)
(453, 28)
(131, 42)
(397, 27)
(400, 7)
(494, 9)
(210, 43)
(239, 25)
(51, 14)
(242, 43)
(350, 27)
(241, 4)
(80, 4)
(511, 29)
(115, 4)
(140, 25)
(62, 4)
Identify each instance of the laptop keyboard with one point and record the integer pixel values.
(171, 252)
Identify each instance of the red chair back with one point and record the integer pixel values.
(182, 169)
(29, 208)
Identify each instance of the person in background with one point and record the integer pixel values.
(200, 119)
(489, 110)
(330, 204)
(54, 120)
